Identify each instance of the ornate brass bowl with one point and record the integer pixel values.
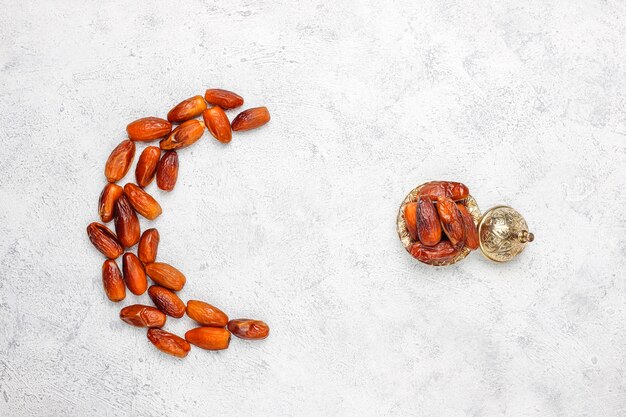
(403, 233)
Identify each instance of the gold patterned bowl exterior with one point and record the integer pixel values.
(403, 233)
(503, 233)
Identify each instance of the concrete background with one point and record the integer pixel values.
(295, 223)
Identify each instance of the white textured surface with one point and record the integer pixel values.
(295, 223)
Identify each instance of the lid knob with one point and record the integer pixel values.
(524, 236)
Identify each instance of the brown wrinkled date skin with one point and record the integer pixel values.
(435, 189)
(187, 109)
(134, 274)
(410, 219)
(104, 240)
(251, 119)
(167, 171)
(166, 276)
(210, 338)
(471, 234)
(217, 124)
(184, 135)
(106, 203)
(249, 329)
(147, 165)
(442, 251)
(428, 223)
(126, 223)
(148, 128)
(142, 202)
(206, 314)
(119, 161)
(451, 220)
(223, 98)
(167, 301)
(169, 343)
(148, 246)
(142, 316)
(112, 281)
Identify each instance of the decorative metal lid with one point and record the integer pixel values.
(503, 233)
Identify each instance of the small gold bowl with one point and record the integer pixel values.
(403, 233)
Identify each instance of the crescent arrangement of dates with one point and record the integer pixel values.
(122, 205)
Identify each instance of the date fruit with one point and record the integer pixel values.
(223, 98)
(435, 189)
(442, 251)
(410, 219)
(148, 128)
(428, 223)
(249, 329)
(218, 124)
(451, 220)
(187, 109)
(210, 338)
(112, 281)
(134, 274)
(167, 171)
(251, 119)
(126, 223)
(142, 202)
(104, 240)
(142, 316)
(184, 135)
(108, 198)
(148, 246)
(471, 234)
(206, 314)
(119, 161)
(167, 301)
(169, 343)
(147, 165)
(166, 276)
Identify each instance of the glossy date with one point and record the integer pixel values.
(435, 189)
(451, 220)
(442, 251)
(428, 223)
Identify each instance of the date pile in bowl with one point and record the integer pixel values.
(439, 223)
(122, 205)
